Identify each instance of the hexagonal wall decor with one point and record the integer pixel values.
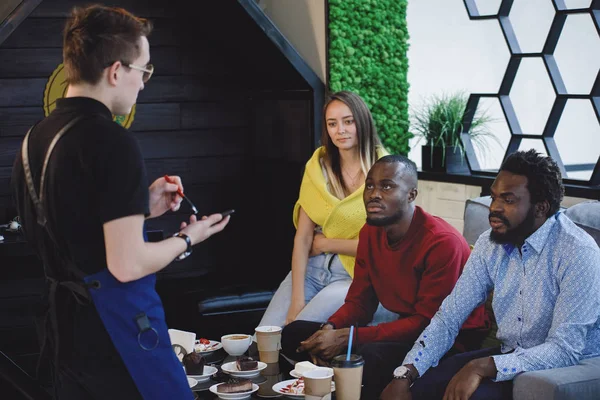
(555, 54)
(531, 108)
(573, 4)
(578, 65)
(576, 114)
(484, 7)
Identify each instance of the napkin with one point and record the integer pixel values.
(183, 338)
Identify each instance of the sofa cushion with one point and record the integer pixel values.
(580, 382)
(587, 216)
(235, 302)
(476, 218)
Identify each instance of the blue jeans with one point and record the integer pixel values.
(326, 284)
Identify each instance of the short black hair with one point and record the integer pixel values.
(411, 167)
(544, 180)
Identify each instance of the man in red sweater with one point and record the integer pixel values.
(407, 260)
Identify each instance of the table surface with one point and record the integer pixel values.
(268, 377)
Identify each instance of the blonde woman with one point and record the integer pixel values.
(328, 214)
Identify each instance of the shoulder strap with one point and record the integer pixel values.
(39, 201)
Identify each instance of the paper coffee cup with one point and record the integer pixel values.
(268, 356)
(317, 384)
(348, 376)
(268, 338)
(268, 341)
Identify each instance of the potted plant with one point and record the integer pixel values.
(440, 123)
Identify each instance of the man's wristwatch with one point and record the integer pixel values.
(188, 241)
(402, 372)
(327, 323)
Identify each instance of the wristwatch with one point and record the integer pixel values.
(402, 372)
(188, 250)
(327, 323)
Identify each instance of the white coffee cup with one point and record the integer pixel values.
(236, 344)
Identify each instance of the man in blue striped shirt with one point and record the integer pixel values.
(544, 272)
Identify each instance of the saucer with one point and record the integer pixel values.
(234, 396)
(280, 385)
(231, 368)
(192, 382)
(208, 372)
(212, 346)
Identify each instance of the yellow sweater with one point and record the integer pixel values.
(340, 219)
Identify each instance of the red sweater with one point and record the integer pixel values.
(412, 278)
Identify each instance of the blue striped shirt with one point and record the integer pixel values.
(546, 301)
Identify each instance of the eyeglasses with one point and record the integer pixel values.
(148, 70)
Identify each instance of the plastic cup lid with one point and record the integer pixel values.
(341, 362)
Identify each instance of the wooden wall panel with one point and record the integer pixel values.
(197, 170)
(23, 63)
(22, 92)
(148, 9)
(193, 143)
(203, 115)
(15, 121)
(157, 117)
(8, 150)
(47, 32)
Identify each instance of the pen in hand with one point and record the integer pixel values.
(180, 192)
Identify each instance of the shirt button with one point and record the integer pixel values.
(520, 292)
(518, 344)
(519, 318)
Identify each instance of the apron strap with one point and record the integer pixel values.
(77, 289)
(38, 201)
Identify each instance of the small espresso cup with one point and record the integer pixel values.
(236, 344)
(317, 384)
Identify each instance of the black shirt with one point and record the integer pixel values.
(96, 174)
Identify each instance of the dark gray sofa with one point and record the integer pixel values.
(578, 382)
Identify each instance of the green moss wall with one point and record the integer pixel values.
(368, 41)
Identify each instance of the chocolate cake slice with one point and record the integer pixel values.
(235, 385)
(194, 363)
(246, 363)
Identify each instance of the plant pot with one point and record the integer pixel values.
(454, 161)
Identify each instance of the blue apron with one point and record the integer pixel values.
(134, 318)
(131, 312)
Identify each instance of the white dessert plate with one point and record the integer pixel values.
(234, 396)
(231, 368)
(280, 385)
(208, 371)
(207, 348)
(192, 382)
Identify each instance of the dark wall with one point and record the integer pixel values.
(224, 110)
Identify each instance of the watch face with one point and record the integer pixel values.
(400, 371)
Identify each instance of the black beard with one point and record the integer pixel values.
(516, 235)
(386, 221)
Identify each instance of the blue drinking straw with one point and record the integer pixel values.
(350, 342)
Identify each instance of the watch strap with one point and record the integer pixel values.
(327, 323)
(188, 242)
